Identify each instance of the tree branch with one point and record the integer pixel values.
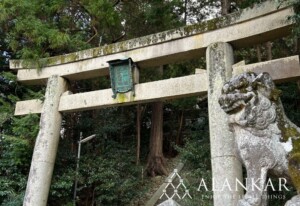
(119, 38)
(96, 33)
(116, 3)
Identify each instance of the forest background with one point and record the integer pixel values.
(118, 165)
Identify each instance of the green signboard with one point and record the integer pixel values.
(121, 75)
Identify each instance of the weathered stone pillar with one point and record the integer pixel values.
(226, 168)
(46, 145)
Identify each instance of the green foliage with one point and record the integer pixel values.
(7, 86)
(10, 93)
(106, 177)
(62, 184)
(247, 3)
(184, 104)
(17, 136)
(291, 101)
(15, 154)
(113, 176)
(14, 200)
(183, 68)
(35, 28)
(196, 155)
(27, 22)
(143, 17)
(296, 17)
(26, 127)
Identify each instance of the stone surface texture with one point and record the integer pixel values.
(266, 141)
(295, 201)
(283, 69)
(46, 145)
(225, 164)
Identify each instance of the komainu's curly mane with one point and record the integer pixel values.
(266, 140)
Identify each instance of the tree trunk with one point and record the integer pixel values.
(296, 45)
(156, 161)
(258, 53)
(138, 133)
(297, 52)
(121, 130)
(185, 12)
(178, 139)
(269, 50)
(225, 7)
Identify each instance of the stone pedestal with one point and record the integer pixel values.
(46, 145)
(226, 168)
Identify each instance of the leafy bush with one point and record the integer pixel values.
(113, 176)
(15, 159)
(196, 155)
(109, 177)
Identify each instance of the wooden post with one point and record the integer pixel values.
(226, 168)
(46, 145)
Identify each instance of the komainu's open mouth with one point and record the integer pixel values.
(233, 103)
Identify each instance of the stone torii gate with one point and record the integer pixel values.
(217, 37)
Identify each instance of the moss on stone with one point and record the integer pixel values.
(121, 98)
(296, 146)
(122, 46)
(96, 51)
(62, 59)
(294, 170)
(125, 97)
(275, 94)
(107, 49)
(288, 131)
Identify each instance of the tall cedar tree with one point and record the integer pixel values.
(156, 160)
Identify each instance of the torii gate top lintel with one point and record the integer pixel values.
(261, 23)
(265, 22)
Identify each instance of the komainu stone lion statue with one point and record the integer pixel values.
(267, 141)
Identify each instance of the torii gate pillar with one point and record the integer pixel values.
(226, 168)
(46, 145)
